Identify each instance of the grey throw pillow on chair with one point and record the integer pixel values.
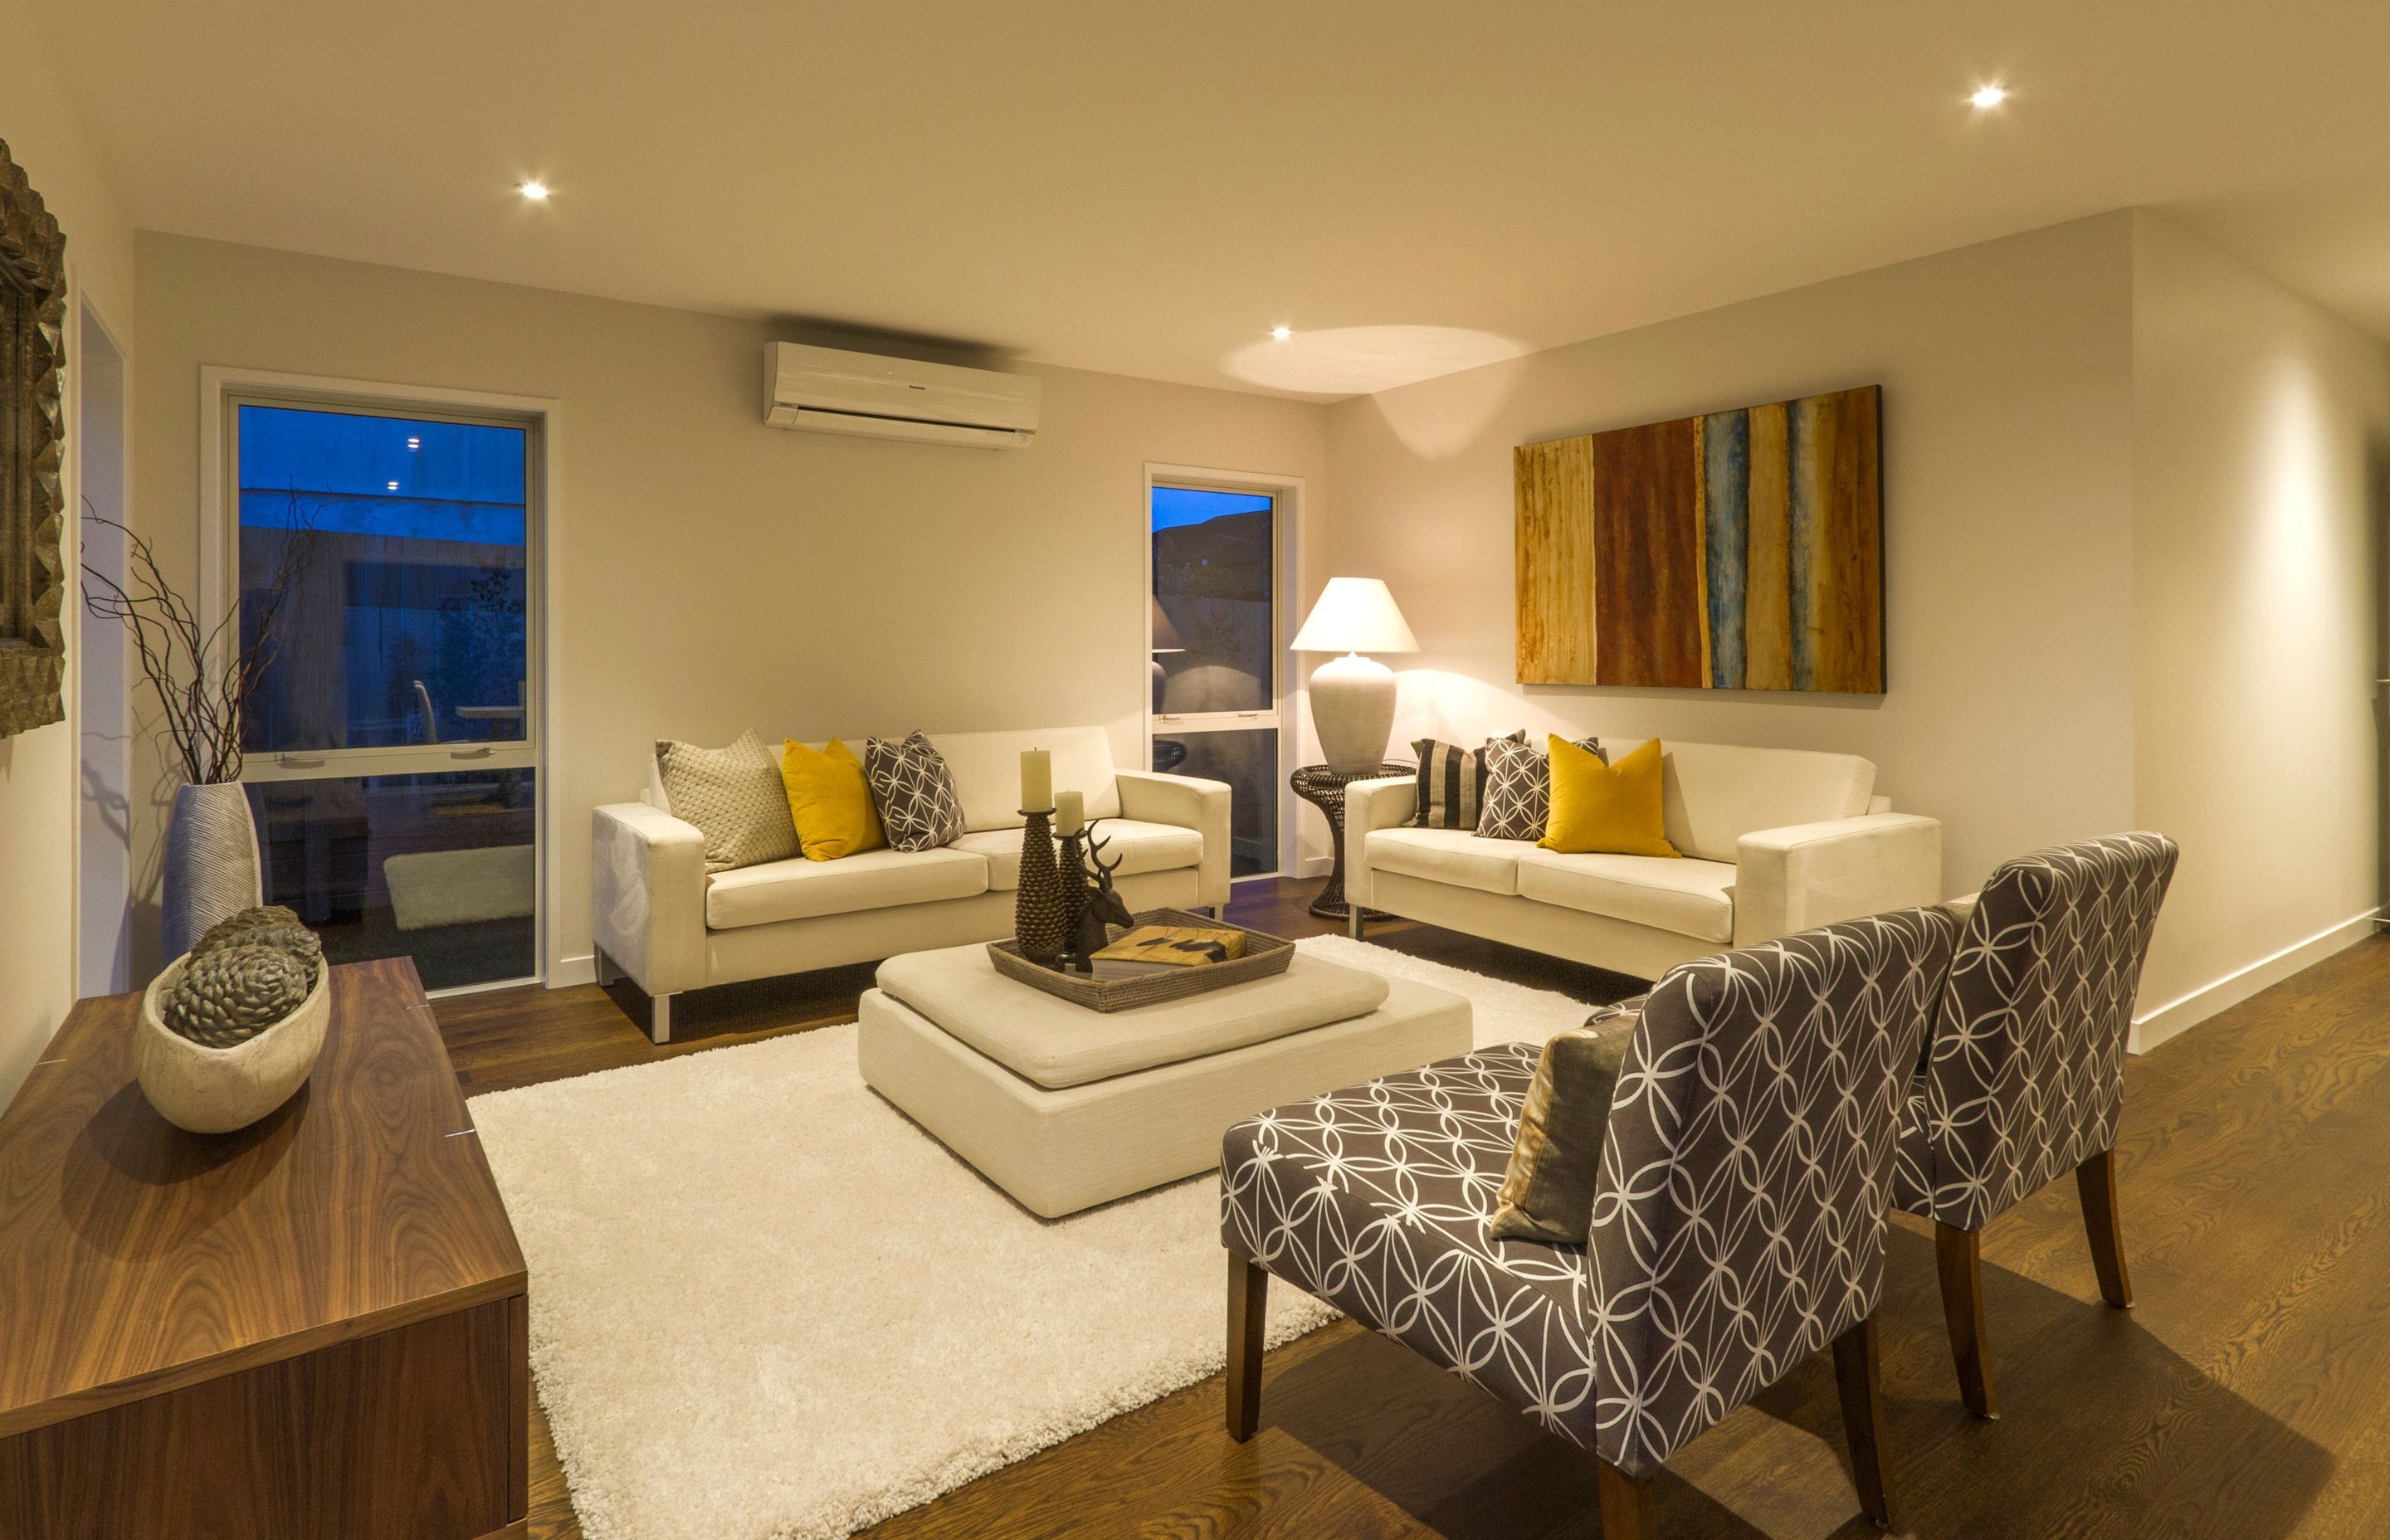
(1556, 1156)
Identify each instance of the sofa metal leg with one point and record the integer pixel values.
(1960, 1256)
(1859, 1377)
(659, 1018)
(1627, 1512)
(607, 971)
(1354, 923)
(1247, 1314)
(2095, 1180)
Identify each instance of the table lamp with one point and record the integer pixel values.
(1353, 697)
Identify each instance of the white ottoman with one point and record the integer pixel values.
(1065, 1108)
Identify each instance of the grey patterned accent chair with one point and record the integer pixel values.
(2024, 1076)
(1738, 1227)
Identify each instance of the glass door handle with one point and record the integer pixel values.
(293, 762)
(482, 752)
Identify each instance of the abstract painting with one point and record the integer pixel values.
(1735, 550)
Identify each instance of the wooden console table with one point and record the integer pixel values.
(314, 1327)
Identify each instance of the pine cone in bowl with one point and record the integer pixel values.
(266, 925)
(231, 993)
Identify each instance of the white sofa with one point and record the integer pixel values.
(1774, 840)
(659, 918)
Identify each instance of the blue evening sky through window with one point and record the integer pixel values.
(388, 476)
(1175, 506)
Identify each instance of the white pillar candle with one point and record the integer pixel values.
(1070, 811)
(1036, 780)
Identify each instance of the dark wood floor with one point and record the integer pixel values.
(2247, 1395)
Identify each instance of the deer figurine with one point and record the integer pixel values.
(1098, 903)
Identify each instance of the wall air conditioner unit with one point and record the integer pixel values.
(825, 390)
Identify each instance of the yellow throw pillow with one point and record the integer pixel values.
(830, 802)
(1611, 809)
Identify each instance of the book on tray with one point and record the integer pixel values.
(1160, 948)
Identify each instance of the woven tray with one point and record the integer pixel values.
(1263, 955)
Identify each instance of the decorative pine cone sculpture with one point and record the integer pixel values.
(230, 994)
(266, 925)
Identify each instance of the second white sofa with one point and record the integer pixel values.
(1774, 840)
(659, 918)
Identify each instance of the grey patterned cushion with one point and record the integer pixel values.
(735, 797)
(1451, 783)
(1518, 803)
(1556, 1158)
(913, 793)
(1738, 1227)
(2023, 1074)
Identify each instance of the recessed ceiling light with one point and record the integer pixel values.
(536, 192)
(1988, 97)
(414, 443)
(1281, 333)
(393, 486)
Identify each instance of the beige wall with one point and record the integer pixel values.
(2261, 442)
(2007, 420)
(37, 769)
(710, 574)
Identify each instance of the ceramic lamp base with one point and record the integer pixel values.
(1352, 710)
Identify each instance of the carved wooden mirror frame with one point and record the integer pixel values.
(33, 435)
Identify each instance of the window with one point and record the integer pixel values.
(391, 741)
(1215, 663)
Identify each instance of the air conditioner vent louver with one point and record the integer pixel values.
(826, 391)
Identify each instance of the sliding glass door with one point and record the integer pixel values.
(1215, 663)
(393, 747)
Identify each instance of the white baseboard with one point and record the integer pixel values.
(2177, 1016)
(1314, 866)
(582, 969)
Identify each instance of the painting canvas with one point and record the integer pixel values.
(1735, 550)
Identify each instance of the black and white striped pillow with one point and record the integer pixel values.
(1451, 783)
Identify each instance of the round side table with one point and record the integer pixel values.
(1323, 790)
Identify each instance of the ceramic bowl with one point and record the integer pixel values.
(216, 1090)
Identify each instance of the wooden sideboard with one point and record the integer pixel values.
(314, 1327)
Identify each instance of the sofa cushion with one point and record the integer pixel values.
(1056, 1044)
(1459, 857)
(1677, 894)
(734, 799)
(871, 879)
(1139, 847)
(913, 791)
(1712, 794)
(986, 768)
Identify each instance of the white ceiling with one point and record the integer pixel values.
(1148, 188)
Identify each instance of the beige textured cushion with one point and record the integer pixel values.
(1055, 1044)
(1556, 1156)
(799, 888)
(1458, 857)
(734, 797)
(1689, 897)
(1712, 794)
(1138, 847)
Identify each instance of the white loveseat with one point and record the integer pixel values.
(659, 918)
(1774, 840)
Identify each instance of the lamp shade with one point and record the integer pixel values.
(1355, 615)
(1165, 635)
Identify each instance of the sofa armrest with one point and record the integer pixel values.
(1190, 802)
(1381, 802)
(648, 906)
(1805, 875)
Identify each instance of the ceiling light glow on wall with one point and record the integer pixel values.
(1988, 97)
(1281, 333)
(537, 191)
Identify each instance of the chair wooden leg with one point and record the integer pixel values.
(1860, 1380)
(2096, 1180)
(1627, 1512)
(1960, 1258)
(1247, 1314)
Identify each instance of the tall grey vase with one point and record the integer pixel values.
(212, 869)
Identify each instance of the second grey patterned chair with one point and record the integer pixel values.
(1738, 1227)
(2025, 1074)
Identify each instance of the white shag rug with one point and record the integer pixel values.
(766, 1306)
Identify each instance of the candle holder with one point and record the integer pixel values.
(1039, 917)
(1071, 871)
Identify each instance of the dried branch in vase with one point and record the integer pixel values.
(203, 675)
